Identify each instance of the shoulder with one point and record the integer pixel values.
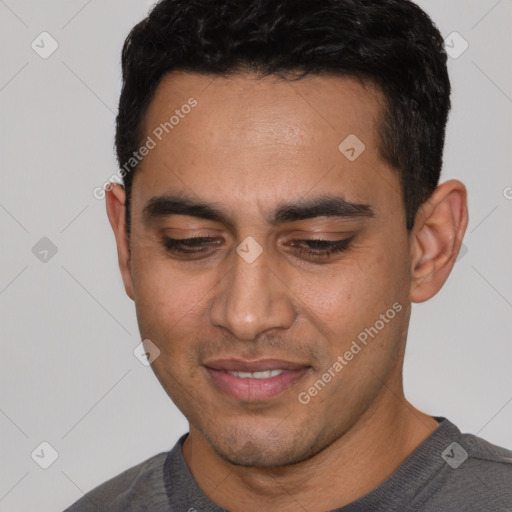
(483, 459)
(138, 488)
(477, 476)
(487, 462)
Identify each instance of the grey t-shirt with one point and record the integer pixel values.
(448, 472)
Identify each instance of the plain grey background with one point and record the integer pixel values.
(68, 375)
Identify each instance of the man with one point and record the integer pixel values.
(280, 213)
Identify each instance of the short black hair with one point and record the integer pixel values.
(392, 44)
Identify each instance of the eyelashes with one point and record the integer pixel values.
(195, 245)
(204, 245)
(322, 248)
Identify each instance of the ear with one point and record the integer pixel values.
(436, 239)
(115, 197)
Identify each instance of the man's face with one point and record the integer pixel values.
(263, 156)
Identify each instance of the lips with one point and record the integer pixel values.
(239, 365)
(254, 380)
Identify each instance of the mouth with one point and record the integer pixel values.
(254, 381)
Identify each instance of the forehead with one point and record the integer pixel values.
(253, 139)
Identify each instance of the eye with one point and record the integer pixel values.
(191, 246)
(204, 245)
(318, 248)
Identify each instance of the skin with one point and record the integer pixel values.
(249, 146)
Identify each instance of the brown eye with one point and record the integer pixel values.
(197, 245)
(321, 248)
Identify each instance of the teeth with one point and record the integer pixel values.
(257, 375)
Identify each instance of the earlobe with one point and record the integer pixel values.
(115, 198)
(436, 239)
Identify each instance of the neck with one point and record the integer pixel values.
(354, 464)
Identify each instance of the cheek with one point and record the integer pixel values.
(166, 297)
(352, 296)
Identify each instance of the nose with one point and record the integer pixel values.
(252, 299)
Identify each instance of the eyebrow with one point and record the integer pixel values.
(321, 206)
(163, 206)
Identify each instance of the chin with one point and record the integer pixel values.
(257, 448)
